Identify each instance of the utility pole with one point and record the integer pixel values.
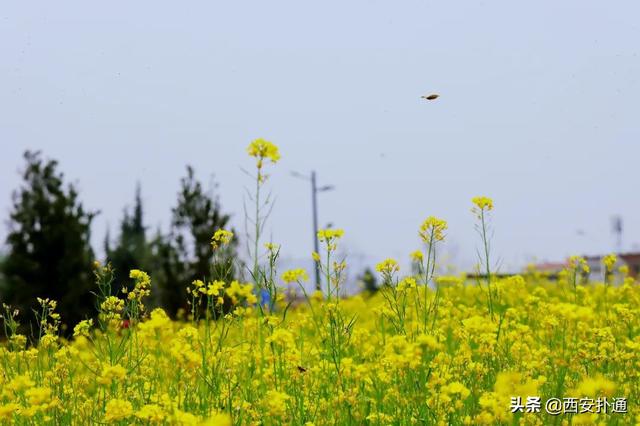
(616, 228)
(314, 208)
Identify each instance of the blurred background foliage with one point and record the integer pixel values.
(48, 253)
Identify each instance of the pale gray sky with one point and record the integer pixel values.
(538, 109)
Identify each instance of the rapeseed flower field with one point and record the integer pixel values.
(425, 349)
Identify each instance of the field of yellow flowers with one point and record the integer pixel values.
(425, 349)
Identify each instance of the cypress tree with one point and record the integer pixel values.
(49, 253)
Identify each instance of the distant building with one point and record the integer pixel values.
(551, 268)
(631, 260)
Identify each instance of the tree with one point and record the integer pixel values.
(49, 245)
(168, 273)
(2, 278)
(185, 254)
(132, 250)
(368, 280)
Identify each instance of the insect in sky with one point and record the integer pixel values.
(430, 97)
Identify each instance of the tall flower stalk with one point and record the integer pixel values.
(482, 207)
(431, 233)
(609, 262)
(333, 275)
(577, 267)
(263, 151)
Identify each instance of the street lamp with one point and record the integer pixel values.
(314, 206)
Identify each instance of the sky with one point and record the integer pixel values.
(538, 109)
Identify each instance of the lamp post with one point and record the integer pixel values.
(314, 207)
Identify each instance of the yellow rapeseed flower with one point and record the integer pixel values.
(595, 386)
(329, 235)
(111, 373)
(118, 409)
(276, 403)
(432, 229)
(214, 288)
(152, 413)
(609, 261)
(295, 275)
(417, 256)
(112, 304)
(456, 388)
(221, 237)
(483, 203)
(578, 262)
(7, 411)
(272, 247)
(38, 395)
(140, 276)
(407, 283)
(218, 419)
(262, 149)
(82, 328)
(388, 266)
(141, 287)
